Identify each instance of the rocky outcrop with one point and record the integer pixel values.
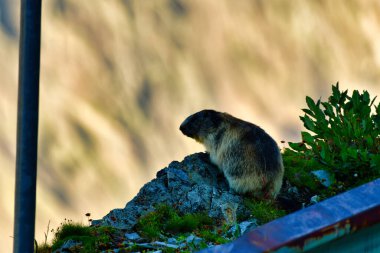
(191, 186)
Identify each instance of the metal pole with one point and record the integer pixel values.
(27, 126)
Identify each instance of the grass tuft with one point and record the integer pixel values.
(166, 219)
(264, 211)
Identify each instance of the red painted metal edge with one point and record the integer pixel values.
(308, 228)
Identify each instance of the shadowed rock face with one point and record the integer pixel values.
(193, 185)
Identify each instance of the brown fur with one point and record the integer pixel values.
(249, 158)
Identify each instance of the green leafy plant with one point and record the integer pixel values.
(342, 138)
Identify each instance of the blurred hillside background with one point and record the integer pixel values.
(119, 76)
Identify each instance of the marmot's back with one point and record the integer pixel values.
(249, 158)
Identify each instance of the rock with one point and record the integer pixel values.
(292, 199)
(229, 211)
(193, 185)
(194, 239)
(323, 176)
(314, 199)
(172, 241)
(132, 236)
(70, 246)
(247, 226)
(293, 191)
(165, 245)
(96, 222)
(241, 228)
(114, 251)
(144, 245)
(157, 245)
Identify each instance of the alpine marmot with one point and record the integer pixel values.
(248, 157)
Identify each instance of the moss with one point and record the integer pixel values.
(264, 211)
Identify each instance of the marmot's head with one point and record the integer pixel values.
(199, 125)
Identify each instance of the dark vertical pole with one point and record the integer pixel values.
(27, 126)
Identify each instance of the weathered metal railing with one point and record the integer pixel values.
(349, 222)
(27, 126)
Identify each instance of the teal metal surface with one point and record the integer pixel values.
(366, 240)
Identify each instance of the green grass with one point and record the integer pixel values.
(211, 236)
(76, 232)
(43, 248)
(91, 238)
(186, 223)
(167, 220)
(264, 211)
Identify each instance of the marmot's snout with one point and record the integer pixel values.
(186, 129)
